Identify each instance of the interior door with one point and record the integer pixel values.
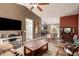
(29, 29)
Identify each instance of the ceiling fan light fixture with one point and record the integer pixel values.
(37, 5)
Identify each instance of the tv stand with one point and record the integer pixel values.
(67, 37)
(8, 38)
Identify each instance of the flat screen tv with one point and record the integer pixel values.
(9, 24)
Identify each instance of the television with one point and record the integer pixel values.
(67, 30)
(9, 24)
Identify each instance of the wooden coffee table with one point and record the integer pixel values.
(35, 47)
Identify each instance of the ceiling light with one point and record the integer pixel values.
(35, 5)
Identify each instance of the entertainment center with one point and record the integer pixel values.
(68, 27)
(67, 33)
(10, 31)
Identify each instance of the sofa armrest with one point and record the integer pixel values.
(6, 46)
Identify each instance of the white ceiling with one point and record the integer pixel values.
(53, 11)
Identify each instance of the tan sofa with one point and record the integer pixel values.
(8, 53)
(6, 47)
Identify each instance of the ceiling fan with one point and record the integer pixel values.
(36, 5)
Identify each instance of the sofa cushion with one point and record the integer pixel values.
(61, 45)
(1, 51)
(8, 53)
(61, 52)
(6, 46)
(76, 42)
(76, 53)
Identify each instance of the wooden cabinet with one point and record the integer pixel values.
(67, 37)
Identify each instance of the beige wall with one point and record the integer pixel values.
(30, 15)
(78, 24)
(12, 10)
(18, 12)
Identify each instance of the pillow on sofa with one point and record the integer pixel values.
(76, 42)
(68, 51)
(6, 46)
(8, 53)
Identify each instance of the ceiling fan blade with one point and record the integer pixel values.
(39, 8)
(31, 8)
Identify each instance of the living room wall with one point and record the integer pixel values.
(18, 12)
(70, 21)
(30, 15)
(12, 10)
